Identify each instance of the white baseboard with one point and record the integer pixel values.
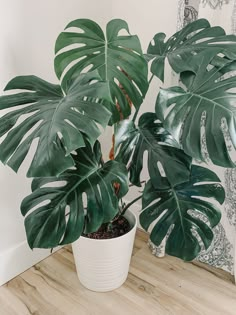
(18, 259)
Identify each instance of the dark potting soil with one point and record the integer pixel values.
(118, 228)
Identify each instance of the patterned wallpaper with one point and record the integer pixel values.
(214, 4)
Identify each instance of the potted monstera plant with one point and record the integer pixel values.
(77, 196)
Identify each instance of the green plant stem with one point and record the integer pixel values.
(150, 80)
(102, 161)
(129, 205)
(142, 182)
(137, 110)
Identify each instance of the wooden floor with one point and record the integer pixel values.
(154, 286)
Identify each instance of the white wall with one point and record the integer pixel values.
(28, 30)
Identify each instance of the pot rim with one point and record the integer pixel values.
(114, 238)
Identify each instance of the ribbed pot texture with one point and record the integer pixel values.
(103, 265)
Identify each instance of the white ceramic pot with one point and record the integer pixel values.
(103, 265)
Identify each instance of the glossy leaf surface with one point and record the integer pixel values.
(203, 108)
(179, 49)
(48, 114)
(55, 197)
(118, 59)
(180, 211)
(149, 136)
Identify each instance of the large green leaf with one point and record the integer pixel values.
(51, 115)
(193, 38)
(118, 58)
(132, 142)
(179, 210)
(209, 93)
(46, 225)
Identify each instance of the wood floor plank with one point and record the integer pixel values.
(165, 286)
(216, 271)
(184, 281)
(140, 240)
